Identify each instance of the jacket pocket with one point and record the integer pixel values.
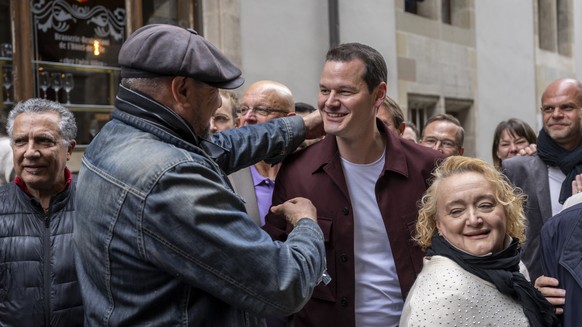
(322, 291)
(325, 225)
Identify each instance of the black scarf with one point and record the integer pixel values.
(569, 162)
(502, 269)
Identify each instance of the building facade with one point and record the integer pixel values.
(481, 60)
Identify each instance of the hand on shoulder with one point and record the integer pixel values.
(530, 150)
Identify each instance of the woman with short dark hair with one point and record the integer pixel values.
(511, 136)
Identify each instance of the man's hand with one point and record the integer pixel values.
(295, 209)
(530, 150)
(548, 286)
(577, 184)
(313, 125)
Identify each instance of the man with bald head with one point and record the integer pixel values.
(262, 102)
(547, 177)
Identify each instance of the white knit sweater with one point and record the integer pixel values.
(445, 294)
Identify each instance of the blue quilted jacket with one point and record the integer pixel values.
(38, 283)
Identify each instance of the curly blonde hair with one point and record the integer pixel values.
(510, 197)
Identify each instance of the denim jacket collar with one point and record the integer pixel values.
(135, 104)
(161, 120)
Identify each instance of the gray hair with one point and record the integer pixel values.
(67, 125)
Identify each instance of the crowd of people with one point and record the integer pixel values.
(193, 207)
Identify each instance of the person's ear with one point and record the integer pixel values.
(401, 128)
(179, 88)
(70, 149)
(380, 95)
(438, 226)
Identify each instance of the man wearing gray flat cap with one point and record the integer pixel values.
(161, 239)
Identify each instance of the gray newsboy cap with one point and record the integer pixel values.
(167, 50)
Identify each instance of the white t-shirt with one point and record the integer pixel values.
(445, 294)
(555, 177)
(378, 298)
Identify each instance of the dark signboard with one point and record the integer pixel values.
(84, 32)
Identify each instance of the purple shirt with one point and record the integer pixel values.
(264, 191)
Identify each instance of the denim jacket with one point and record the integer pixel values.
(163, 240)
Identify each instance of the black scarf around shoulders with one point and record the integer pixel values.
(569, 162)
(502, 269)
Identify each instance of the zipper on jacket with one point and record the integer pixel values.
(46, 252)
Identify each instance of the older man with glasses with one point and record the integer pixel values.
(262, 102)
(445, 134)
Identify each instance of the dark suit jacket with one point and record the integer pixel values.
(316, 173)
(561, 240)
(531, 175)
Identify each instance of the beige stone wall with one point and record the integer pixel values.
(554, 39)
(221, 21)
(437, 65)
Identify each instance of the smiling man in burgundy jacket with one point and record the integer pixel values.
(365, 183)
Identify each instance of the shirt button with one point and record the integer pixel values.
(344, 302)
(346, 211)
(343, 258)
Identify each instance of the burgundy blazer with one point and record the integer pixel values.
(316, 173)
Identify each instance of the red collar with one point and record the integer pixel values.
(68, 178)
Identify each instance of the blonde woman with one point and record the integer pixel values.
(471, 225)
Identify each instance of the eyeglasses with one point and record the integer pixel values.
(261, 111)
(432, 141)
(563, 108)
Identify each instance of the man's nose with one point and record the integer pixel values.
(31, 149)
(331, 99)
